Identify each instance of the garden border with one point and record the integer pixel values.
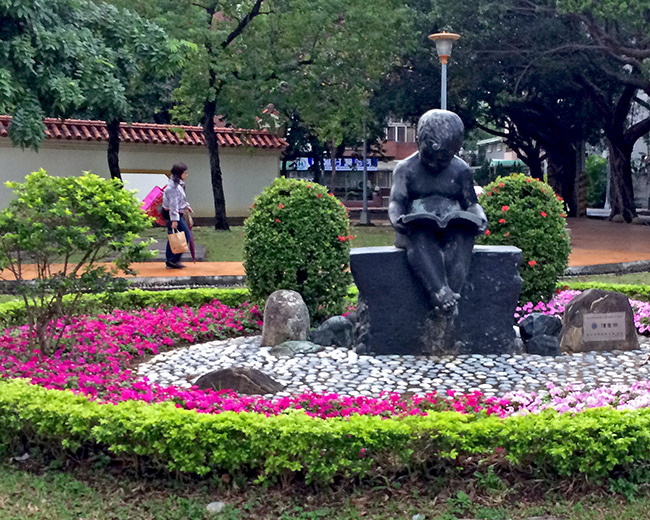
(592, 443)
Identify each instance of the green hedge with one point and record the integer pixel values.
(248, 445)
(636, 292)
(13, 313)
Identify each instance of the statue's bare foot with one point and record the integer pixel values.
(446, 300)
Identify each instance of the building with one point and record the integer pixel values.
(495, 151)
(348, 183)
(250, 159)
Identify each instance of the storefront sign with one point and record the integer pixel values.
(345, 164)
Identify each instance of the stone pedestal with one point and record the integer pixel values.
(399, 320)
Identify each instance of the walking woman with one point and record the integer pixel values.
(174, 205)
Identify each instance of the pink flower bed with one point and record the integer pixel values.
(97, 356)
(555, 307)
(576, 398)
(96, 353)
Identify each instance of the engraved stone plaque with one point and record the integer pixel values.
(608, 326)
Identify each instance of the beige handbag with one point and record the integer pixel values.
(177, 241)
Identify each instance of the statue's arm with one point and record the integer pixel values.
(469, 197)
(398, 200)
(470, 200)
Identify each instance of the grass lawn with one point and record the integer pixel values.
(633, 278)
(43, 493)
(228, 246)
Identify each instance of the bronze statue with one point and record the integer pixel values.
(435, 211)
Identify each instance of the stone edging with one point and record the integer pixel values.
(638, 266)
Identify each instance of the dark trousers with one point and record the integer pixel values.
(182, 226)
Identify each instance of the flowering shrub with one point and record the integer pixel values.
(525, 212)
(74, 222)
(577, 397)
(297, 237)
(557, 304)
(13, 312)
(96, 353)
(591, 443)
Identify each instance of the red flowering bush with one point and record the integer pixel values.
(525, 212)
(298, 237)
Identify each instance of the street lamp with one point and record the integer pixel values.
(364, 217)
(444, 42)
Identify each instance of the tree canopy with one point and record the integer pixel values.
(61, 57)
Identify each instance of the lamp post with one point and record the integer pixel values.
(444, 41)
(364, 217)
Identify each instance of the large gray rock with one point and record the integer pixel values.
(543, 345)
(395, 315)
(336, 331)
(541, 334)
(538, 324)
(286, 318)
(243, 380)
(596, 301)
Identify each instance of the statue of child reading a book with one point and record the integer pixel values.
(435, 211)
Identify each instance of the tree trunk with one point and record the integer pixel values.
(113, 128)
(536, 169)
(534, 163)
(622, 190)
(317, 157)
(333, 161)
(562, 175)
(220, 220)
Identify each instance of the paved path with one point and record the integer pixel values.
(594, 242)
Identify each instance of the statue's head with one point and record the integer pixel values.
(440, 136)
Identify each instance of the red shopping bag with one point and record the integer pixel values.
(152, 205)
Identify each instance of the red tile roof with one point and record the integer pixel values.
(84, 130)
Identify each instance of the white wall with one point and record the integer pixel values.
(246, 171)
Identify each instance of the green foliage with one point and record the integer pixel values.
(334, 54)
(63, 226)
(59, 58)
(297, 237)
(14, 313)
(460, 504)
(636, 292)
(596, 168)
(525, 213)
(594, 443)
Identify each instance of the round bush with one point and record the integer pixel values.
(526, 213)
(298, 237)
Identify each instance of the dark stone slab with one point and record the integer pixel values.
(538, 324)
(399, 316)
(543, 345)
(243, 380)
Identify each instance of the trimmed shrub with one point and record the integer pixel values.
(632, 291)
(525, 212)
(593, 443)
(298, 237)
(73, 221)
(13, 313)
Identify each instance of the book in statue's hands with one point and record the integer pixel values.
(439, 211)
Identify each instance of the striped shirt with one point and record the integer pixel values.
(174, 199)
